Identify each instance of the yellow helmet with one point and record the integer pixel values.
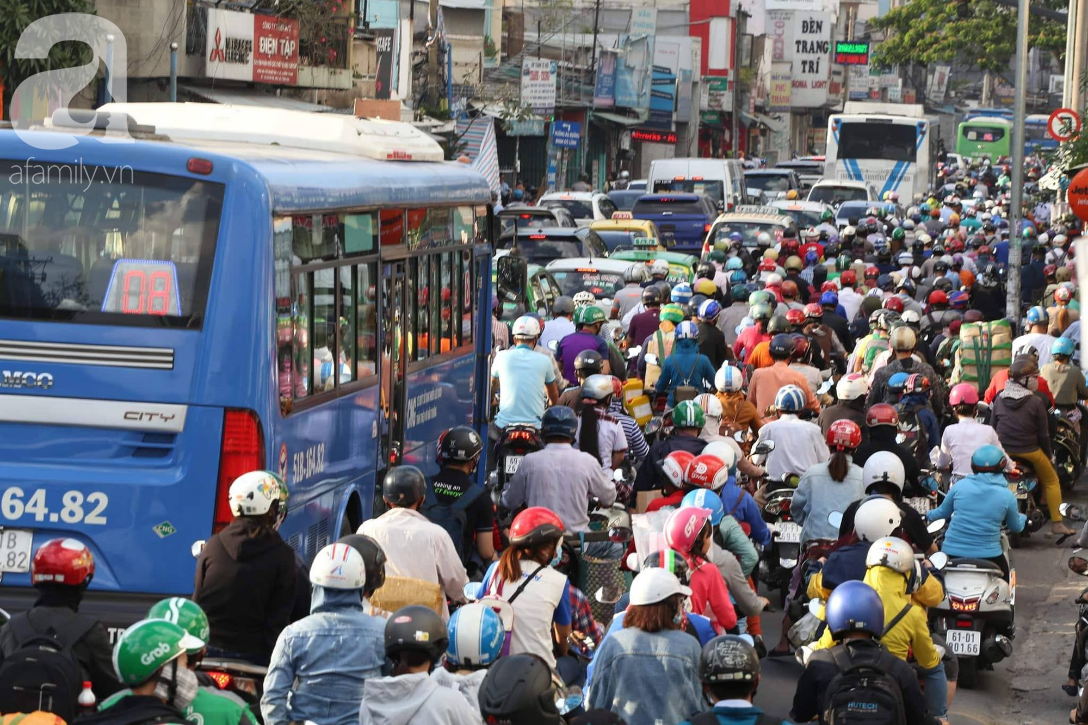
(792, 194)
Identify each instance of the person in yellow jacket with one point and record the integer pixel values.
(659, 344)
(34, 718)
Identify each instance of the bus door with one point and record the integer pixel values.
(394, 335)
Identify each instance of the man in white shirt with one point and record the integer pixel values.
(1036, 337)
(798, 445)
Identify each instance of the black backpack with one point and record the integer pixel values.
(912, 434)
(453, 518)
(930, 333)
(42, 673)
(863, 691)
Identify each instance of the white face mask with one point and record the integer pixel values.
(186, 686)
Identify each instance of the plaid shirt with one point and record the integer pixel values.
(581, 616)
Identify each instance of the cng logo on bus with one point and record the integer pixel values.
(19, 380)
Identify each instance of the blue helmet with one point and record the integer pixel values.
(734, 263)
(897, 382)
(476, 635)
(790, 398)
(854, 606)
(736, 237)
(811, 258)
(1063, 346)
(738, 276)
(829, 299)
(681, 293)
(558, 421)
(687, 330)
(1038, 316)
(710, 310)
(988, 459)
(704, 498)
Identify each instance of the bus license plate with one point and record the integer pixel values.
(963, 642)
(921, 504)
(788, 532)
(15, 545)
(512, 463)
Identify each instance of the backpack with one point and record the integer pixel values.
(663, 345)
(931, 331)
(912, 434)
(876, 345)
(863, 692)
(42, 673)
(453, 518)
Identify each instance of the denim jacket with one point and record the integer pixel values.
(331, 653)
(647, 678)
(818, 495)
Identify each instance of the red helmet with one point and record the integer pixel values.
(707, 471)
(813, 309)
(894, 303)
(938, 297)
(62, 561)
(963, 394)
(843, 434)
(829, 287)
(956, 245)
(767, 265)
(795, 317)
(801, 345)
(683, 527)
(916, 383)
(534, 526)
(1062, 295)
(871, 273)
(789, 248)
(675, 466)
(848, 278)
(984, 249)
(789, 289)
(881, 414)
(1050, 270)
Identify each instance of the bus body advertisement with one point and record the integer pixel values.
(886, 145)
(222, 307)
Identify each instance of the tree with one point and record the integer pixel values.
(17, 15)
(931, 31)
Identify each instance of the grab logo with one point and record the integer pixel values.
(149, 658)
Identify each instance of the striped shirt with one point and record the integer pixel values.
(637, 448)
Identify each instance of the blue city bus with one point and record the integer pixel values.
(188, 306)
(1037, 137)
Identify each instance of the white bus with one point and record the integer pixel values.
(888, 145)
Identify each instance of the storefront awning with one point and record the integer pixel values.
(750, 118)
(621, 120)
(255, 97)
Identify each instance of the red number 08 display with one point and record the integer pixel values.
(146, 293)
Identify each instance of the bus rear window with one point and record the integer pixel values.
(645, 206)
(986, 134)
(884, 141)
(102, 245)
(713, 189)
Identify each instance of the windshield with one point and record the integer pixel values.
(767, 182)
(852, 212)
(713, 189)
(105, 245)
(577, 209)
(985, 134)
(1036, 132)
(624, 200)
(527, 219)
(827, 194)
(542, 251)
(803, 219)
(618, 241)
(749, 231)
(601, 284)
(810, 169)
(646, 206)
(883, 141)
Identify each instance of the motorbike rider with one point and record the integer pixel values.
(882, 421)
(587, 362)
(415, 640)
(476, 635)
(766, 383)
(902, 341)
(829, 486)
(60, 573)
(688, 421)
(711, 338)
(850, 391)
(729, 671)
(1036, 337)
(373, 565)
(587, 326)
(1020, 418)
(855, 618)
(659, 343)
(689, 531)
(883, 475)
(599, 433)
(561, 323)
(151, 658)
(750, 337)
(1065, 380)
(459, 450)
(685, 366)
(731, 317)
(799, 444)
(914, 401)
(525, 379)
(630, 294)
(520, 689)
(643, 322)
(247, 575)
(415, 547)
(961, 439)
(737, 413)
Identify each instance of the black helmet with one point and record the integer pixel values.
(728, 658)
(942, 283)
(705, 269)
(373, 560)
(461, 444)
(558, 421)
(778, 324)
(518, 690)
(588, 362)
(417, 629)
(1023, 366)
(940, 266)
(651, 297)
(404, 485)
(781, 347)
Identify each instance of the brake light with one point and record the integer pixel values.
(222, 680)
(706, 229)
(519, 435)
(525, 216)
(696, 178)
(241, 451)
(786, 504)
(679, 178)
(199, 166)
(538, 236)
(964, 605)
(964, 623)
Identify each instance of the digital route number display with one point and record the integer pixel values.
(649, 135)
(849, 53)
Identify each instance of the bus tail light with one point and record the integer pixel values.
(706, 229)
(199, 166)
(241, 451)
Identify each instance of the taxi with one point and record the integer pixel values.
(806, 214)
(750, 221)
(600, 277)
(681, 266)
(624, 232)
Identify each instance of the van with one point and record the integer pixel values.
(720, 179)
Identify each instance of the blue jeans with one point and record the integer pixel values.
(936, 693)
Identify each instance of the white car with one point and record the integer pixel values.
(837, 191)
(601, 277)
(585, 206)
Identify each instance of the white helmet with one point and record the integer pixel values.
(660, 266)
(476, 633)
(729, 378)
(773, 279)
(253, 493)
(526, 326)
(724, 451)
(883, 467)
(924, 238)
(852, 386)
(338, 566)
(891, 552)
(584, 299)
(877, 517)
(712, 407)
(763, 239)
(655, 585)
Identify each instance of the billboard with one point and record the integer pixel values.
(251, 48)
(538, 85)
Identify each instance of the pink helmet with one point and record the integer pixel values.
(963, 394)
(683, 527)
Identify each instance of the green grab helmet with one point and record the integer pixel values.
(148, 646)
(688, 414)
(185, 613)
(898, 234)
(588, 315)
(843, 262)
(827, 215)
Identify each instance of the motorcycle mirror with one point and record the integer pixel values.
(569, 702)
(653, 426)
(496, 497)
(835, 519)
(633, 352)
(470, 590)
(739, 436)
(824, 387)
(553, 345)
(617, 476)
(608, 595)
(939, 560)
(814, 606)
(1078, 565)
(651, 359)
(1071, 511)
(620, 535)
(936, 526)
(765, 446)
(982, 407)
(197, 548)
(632, 561)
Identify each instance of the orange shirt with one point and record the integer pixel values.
(766, 382)
(760, 356)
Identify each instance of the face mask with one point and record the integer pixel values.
(558, 556)
(185, 685)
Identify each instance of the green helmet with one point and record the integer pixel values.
(672, 313)
(898, 234)
(843, 262)
(880, 212)
(148, 646)
(762, 297)
(588, 315)
(716, 255)
(737, 291)
(185, 613)
(687, 414)
(1029, 233)
(827, 215)
(760, 312)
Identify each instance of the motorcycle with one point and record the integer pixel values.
(1022, 484)
(780, 557)
(931, 484)
(242, 679)
(1066, 447)
(516, 442)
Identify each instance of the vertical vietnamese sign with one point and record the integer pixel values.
(781, 87)
(780, 32)
(384, 42)
(538, 85)
(811, 59)
(275, 54)
(604, 91)
(663, 85)
(858, 82)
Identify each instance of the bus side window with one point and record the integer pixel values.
(303, 324)
(419, 301)
(285, 321)
(366, 342)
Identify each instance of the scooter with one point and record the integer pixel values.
(242, 679)
(516, 442)
(780, 557)
(1066, 447)
(1022, 484)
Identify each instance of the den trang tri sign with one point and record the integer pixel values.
(254, 48)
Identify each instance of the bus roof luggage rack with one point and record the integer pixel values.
(103, 121)
(337, 133)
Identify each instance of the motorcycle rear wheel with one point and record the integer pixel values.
(968, 677)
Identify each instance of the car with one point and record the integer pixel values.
(534, 290)
(682, 219)
(584, 206)
(771, 183)
(806, 214)
(637, 185)
(681, 266)
(720, 179)
(849, 213)
(836, 191)
(624, 199)
(750, 221)
(532, 216)
(540, 245)
(626, 233)
(809, 169)
(602, 277)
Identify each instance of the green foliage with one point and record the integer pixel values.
(489, 47)
(16, 16)
(1072, 154)
(930, 31)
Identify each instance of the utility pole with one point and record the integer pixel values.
(738, 32)
(1012, 299)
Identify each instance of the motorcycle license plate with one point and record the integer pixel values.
(15, 545)
(788, 532)
(512, 463)
(921, 504)
(963, 642)
(1073, 415)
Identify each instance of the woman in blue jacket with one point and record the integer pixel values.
(984, 504)
(686, 365)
